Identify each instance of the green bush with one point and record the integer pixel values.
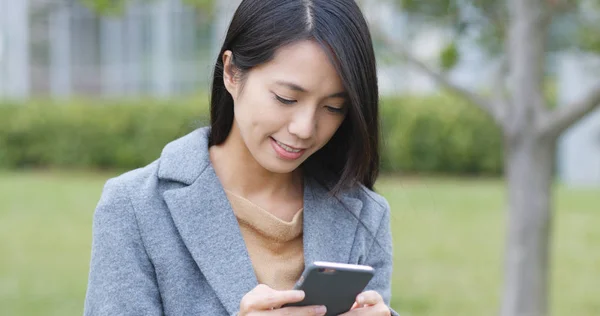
(93, 134)
(439, 134)
(436, 134)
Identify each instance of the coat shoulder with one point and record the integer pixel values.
(133, 180)
(375, 208)
(373, 202)
(181, 160)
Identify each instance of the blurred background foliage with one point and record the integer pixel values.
(124, 134)
(576, 25)
(117, 6)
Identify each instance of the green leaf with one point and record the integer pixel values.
(109, 7)
(449, 56)
(204, 5)
(432, 8)
(106, 7)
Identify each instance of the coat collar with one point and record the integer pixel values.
(209, 229)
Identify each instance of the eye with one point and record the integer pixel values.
(333, 109)
(284, 101)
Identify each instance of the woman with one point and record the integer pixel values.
(225, 220)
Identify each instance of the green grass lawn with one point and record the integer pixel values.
(449, 245)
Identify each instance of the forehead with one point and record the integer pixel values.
(304, 63)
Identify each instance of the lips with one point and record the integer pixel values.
(285, 151)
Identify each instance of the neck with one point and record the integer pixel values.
(240, 173)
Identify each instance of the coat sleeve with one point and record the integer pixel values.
(380, 258)
(121, 279)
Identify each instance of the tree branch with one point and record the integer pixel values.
(558, 7)
(561, 6)
(557, 121)
(495, 108)
(499, 93)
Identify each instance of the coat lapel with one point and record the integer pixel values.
(329, 224)
(211, 232)
(204, 218)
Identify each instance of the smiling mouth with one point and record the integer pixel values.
(286, 152)
(288, 148)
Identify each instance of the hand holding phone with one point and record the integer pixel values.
(369, 303)
(263, 298)
(334, 285)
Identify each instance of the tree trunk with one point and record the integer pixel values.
(529, 165)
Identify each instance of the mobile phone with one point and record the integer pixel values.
(334, 285)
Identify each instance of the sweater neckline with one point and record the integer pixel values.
(263, 221)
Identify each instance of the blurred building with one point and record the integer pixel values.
(164, 47)
(62, 48)
(14, 53)
(579, 151)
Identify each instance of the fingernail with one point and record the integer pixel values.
(320, 310)
(360, 299)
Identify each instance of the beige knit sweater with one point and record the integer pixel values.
(275, 246)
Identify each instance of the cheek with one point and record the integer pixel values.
(258, 115)
(248, 109)
(266, 117)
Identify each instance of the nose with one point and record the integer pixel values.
(303, 124)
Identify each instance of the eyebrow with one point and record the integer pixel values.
(296, 87)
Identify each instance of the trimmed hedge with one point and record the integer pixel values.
(439, 134)
(436, 134)
(93, 134)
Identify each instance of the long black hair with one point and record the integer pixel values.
(260, 27)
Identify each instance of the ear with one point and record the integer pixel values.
(229, 74)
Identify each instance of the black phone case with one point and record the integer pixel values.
(336, 289)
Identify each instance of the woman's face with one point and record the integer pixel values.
(287, 109)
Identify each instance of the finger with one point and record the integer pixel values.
(358, 311)
(369, 298)
(266, 299)
(304, 311)
(380, 310)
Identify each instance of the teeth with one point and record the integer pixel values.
(287, 148)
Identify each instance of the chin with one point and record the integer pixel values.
(280, 167)
(277, 165)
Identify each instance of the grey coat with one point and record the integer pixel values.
(165, 240)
